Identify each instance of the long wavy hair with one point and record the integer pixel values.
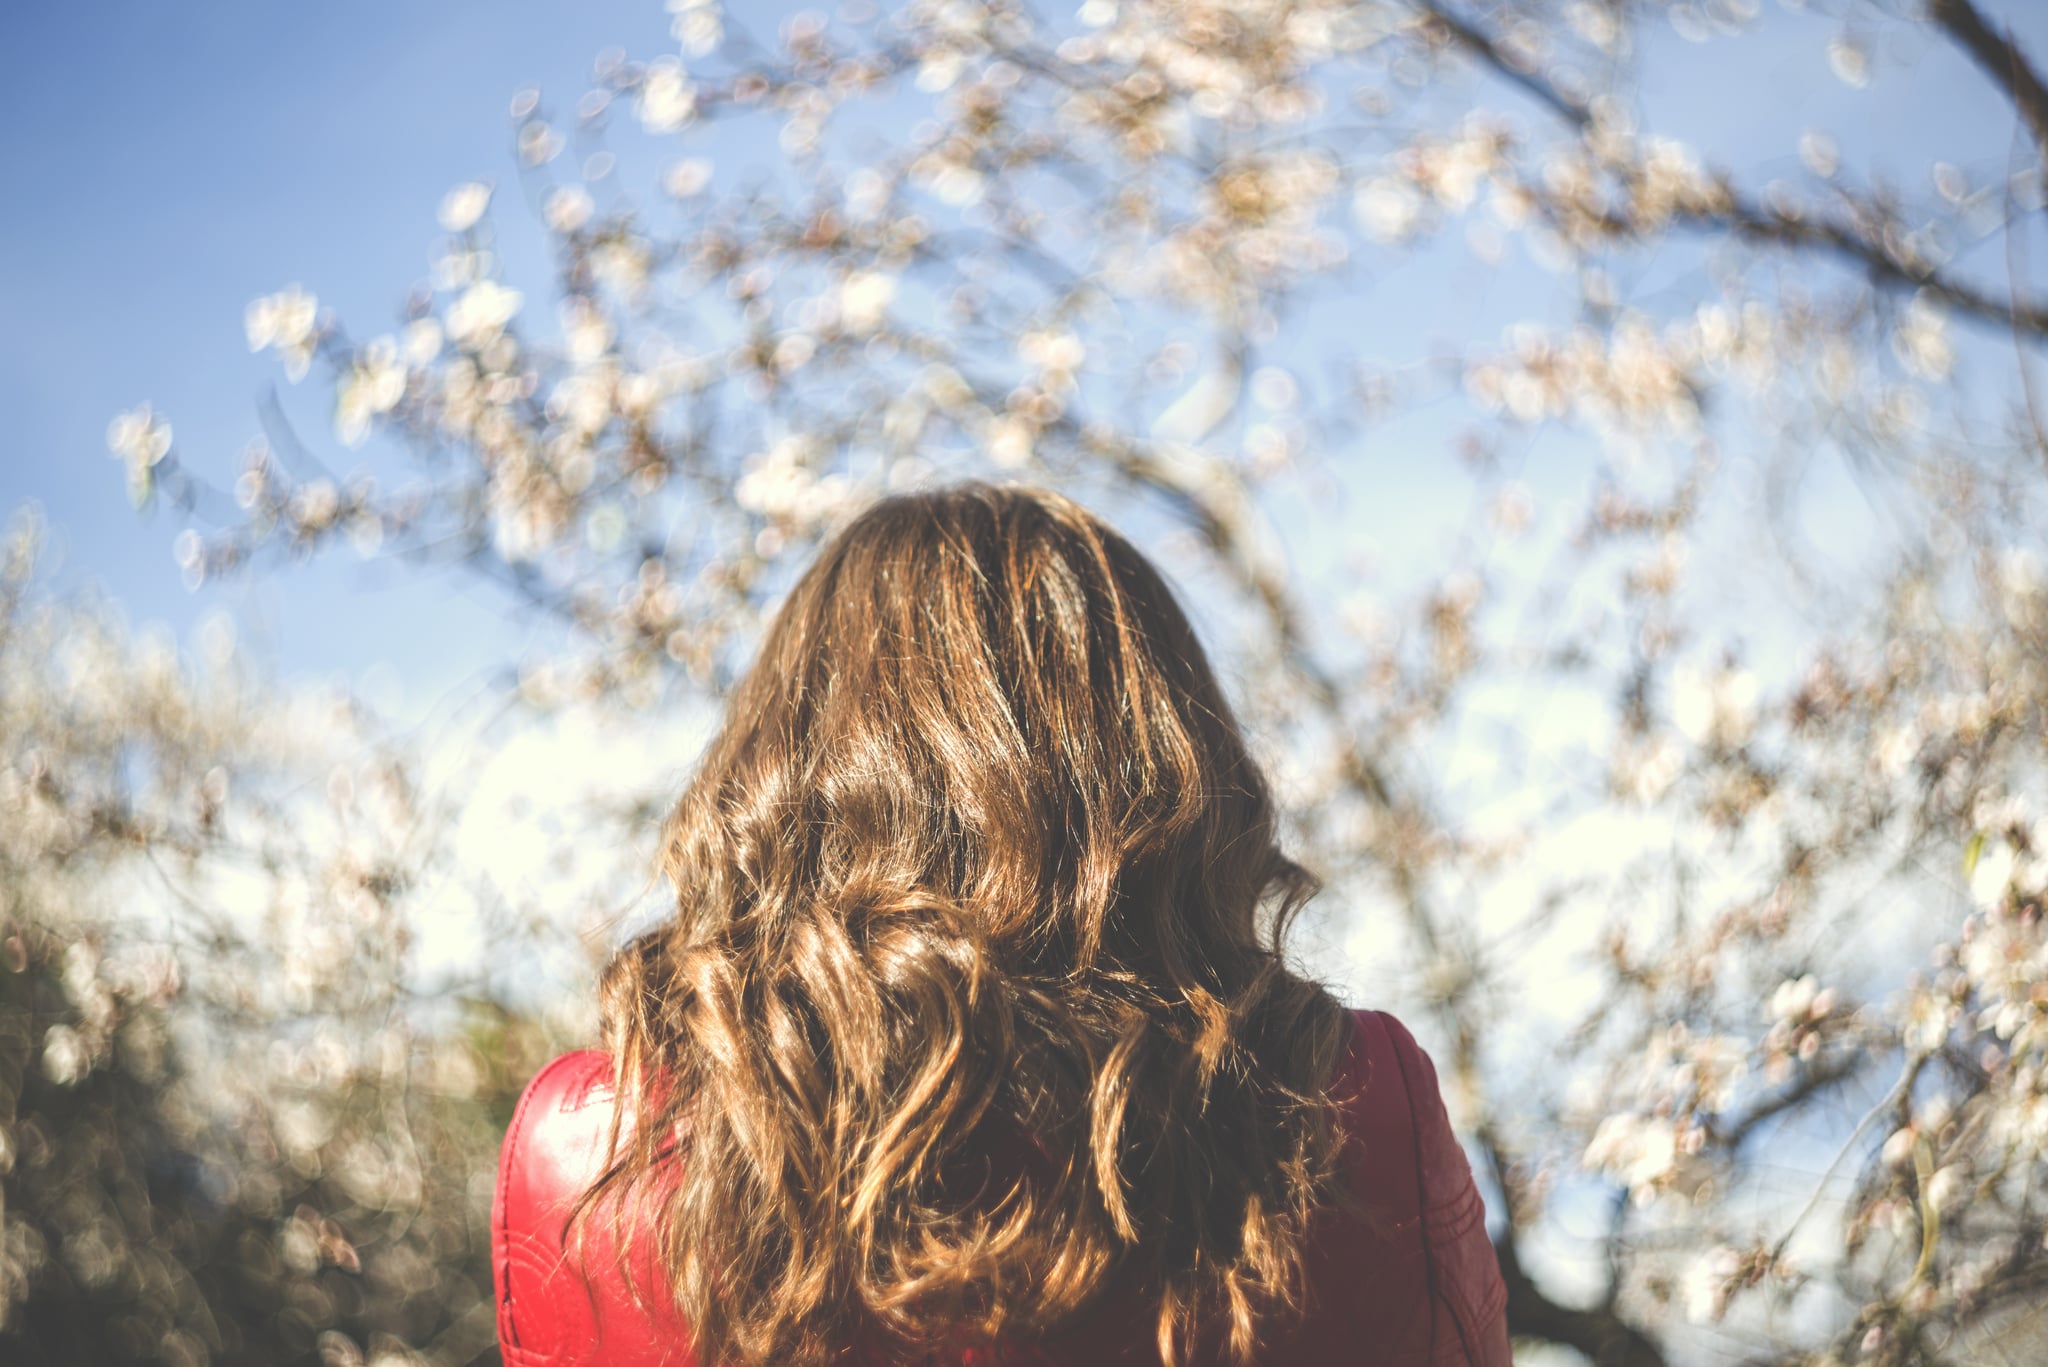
(973, 1009)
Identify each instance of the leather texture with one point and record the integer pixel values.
(1408, 1281)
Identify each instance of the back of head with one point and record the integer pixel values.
(973, 1002)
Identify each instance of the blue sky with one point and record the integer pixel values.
(171, 162)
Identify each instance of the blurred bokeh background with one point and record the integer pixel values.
(1602, 440)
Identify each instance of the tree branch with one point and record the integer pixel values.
(2000, 56)
(1810, 1084)
(1604, 1337)
(1481, 45)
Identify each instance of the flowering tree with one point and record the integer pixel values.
(1712, 864)
(229, 1130)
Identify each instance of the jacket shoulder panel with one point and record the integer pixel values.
(1462, 1270)
(552, 1310)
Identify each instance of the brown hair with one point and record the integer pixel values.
(973, 1005)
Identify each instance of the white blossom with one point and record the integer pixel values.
(699, 25)
(1922, 342)
(464, 205)
(1708, 1281)
(139, 437)
(1388, 209)
(288, 321)
(864, 299)
(481, 312)
(1716, 708)
(568, 208)
(1993, 874)
(668, 101)
(421, 341)
(687, 177)
(66, 1057)
(373, 385)
(1641, 1151)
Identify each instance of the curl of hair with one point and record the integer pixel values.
(973, 1008)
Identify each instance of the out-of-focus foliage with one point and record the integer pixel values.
(1689, 794)
(226, 1133)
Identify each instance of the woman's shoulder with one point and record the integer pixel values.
(549, 1312)
(1381, 1072)
(1425, 1236)
(1395, 1119)
(555, 1145)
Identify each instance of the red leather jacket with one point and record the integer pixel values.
(1416, 1287)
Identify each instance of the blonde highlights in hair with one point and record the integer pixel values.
(973, 1007)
